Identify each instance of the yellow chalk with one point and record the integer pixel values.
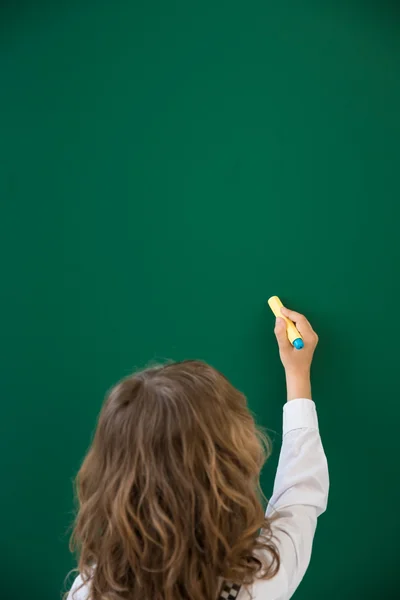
(292, 332)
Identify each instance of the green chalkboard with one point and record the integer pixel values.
(165, 167)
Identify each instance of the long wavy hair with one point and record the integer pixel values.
(169, 495)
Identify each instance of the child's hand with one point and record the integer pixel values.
(297, 363)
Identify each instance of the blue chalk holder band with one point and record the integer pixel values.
(298, 344)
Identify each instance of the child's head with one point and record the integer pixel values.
(168, 491)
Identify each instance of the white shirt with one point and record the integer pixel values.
(300, 496)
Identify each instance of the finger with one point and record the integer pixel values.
(302, 324)
(281, 335)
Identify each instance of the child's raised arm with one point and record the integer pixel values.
(302, 483)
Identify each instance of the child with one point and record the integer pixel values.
(169, 504)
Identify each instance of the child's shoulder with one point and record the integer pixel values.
(79, 590)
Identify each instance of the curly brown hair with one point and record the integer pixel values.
(169, 495)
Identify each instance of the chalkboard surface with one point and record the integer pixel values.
(166, 167)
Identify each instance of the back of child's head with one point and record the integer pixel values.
(168, 492)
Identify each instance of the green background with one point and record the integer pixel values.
(165, 167)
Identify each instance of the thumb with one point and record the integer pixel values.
(281, 335)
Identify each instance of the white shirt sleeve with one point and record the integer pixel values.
(77, 592)
(299, 497)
